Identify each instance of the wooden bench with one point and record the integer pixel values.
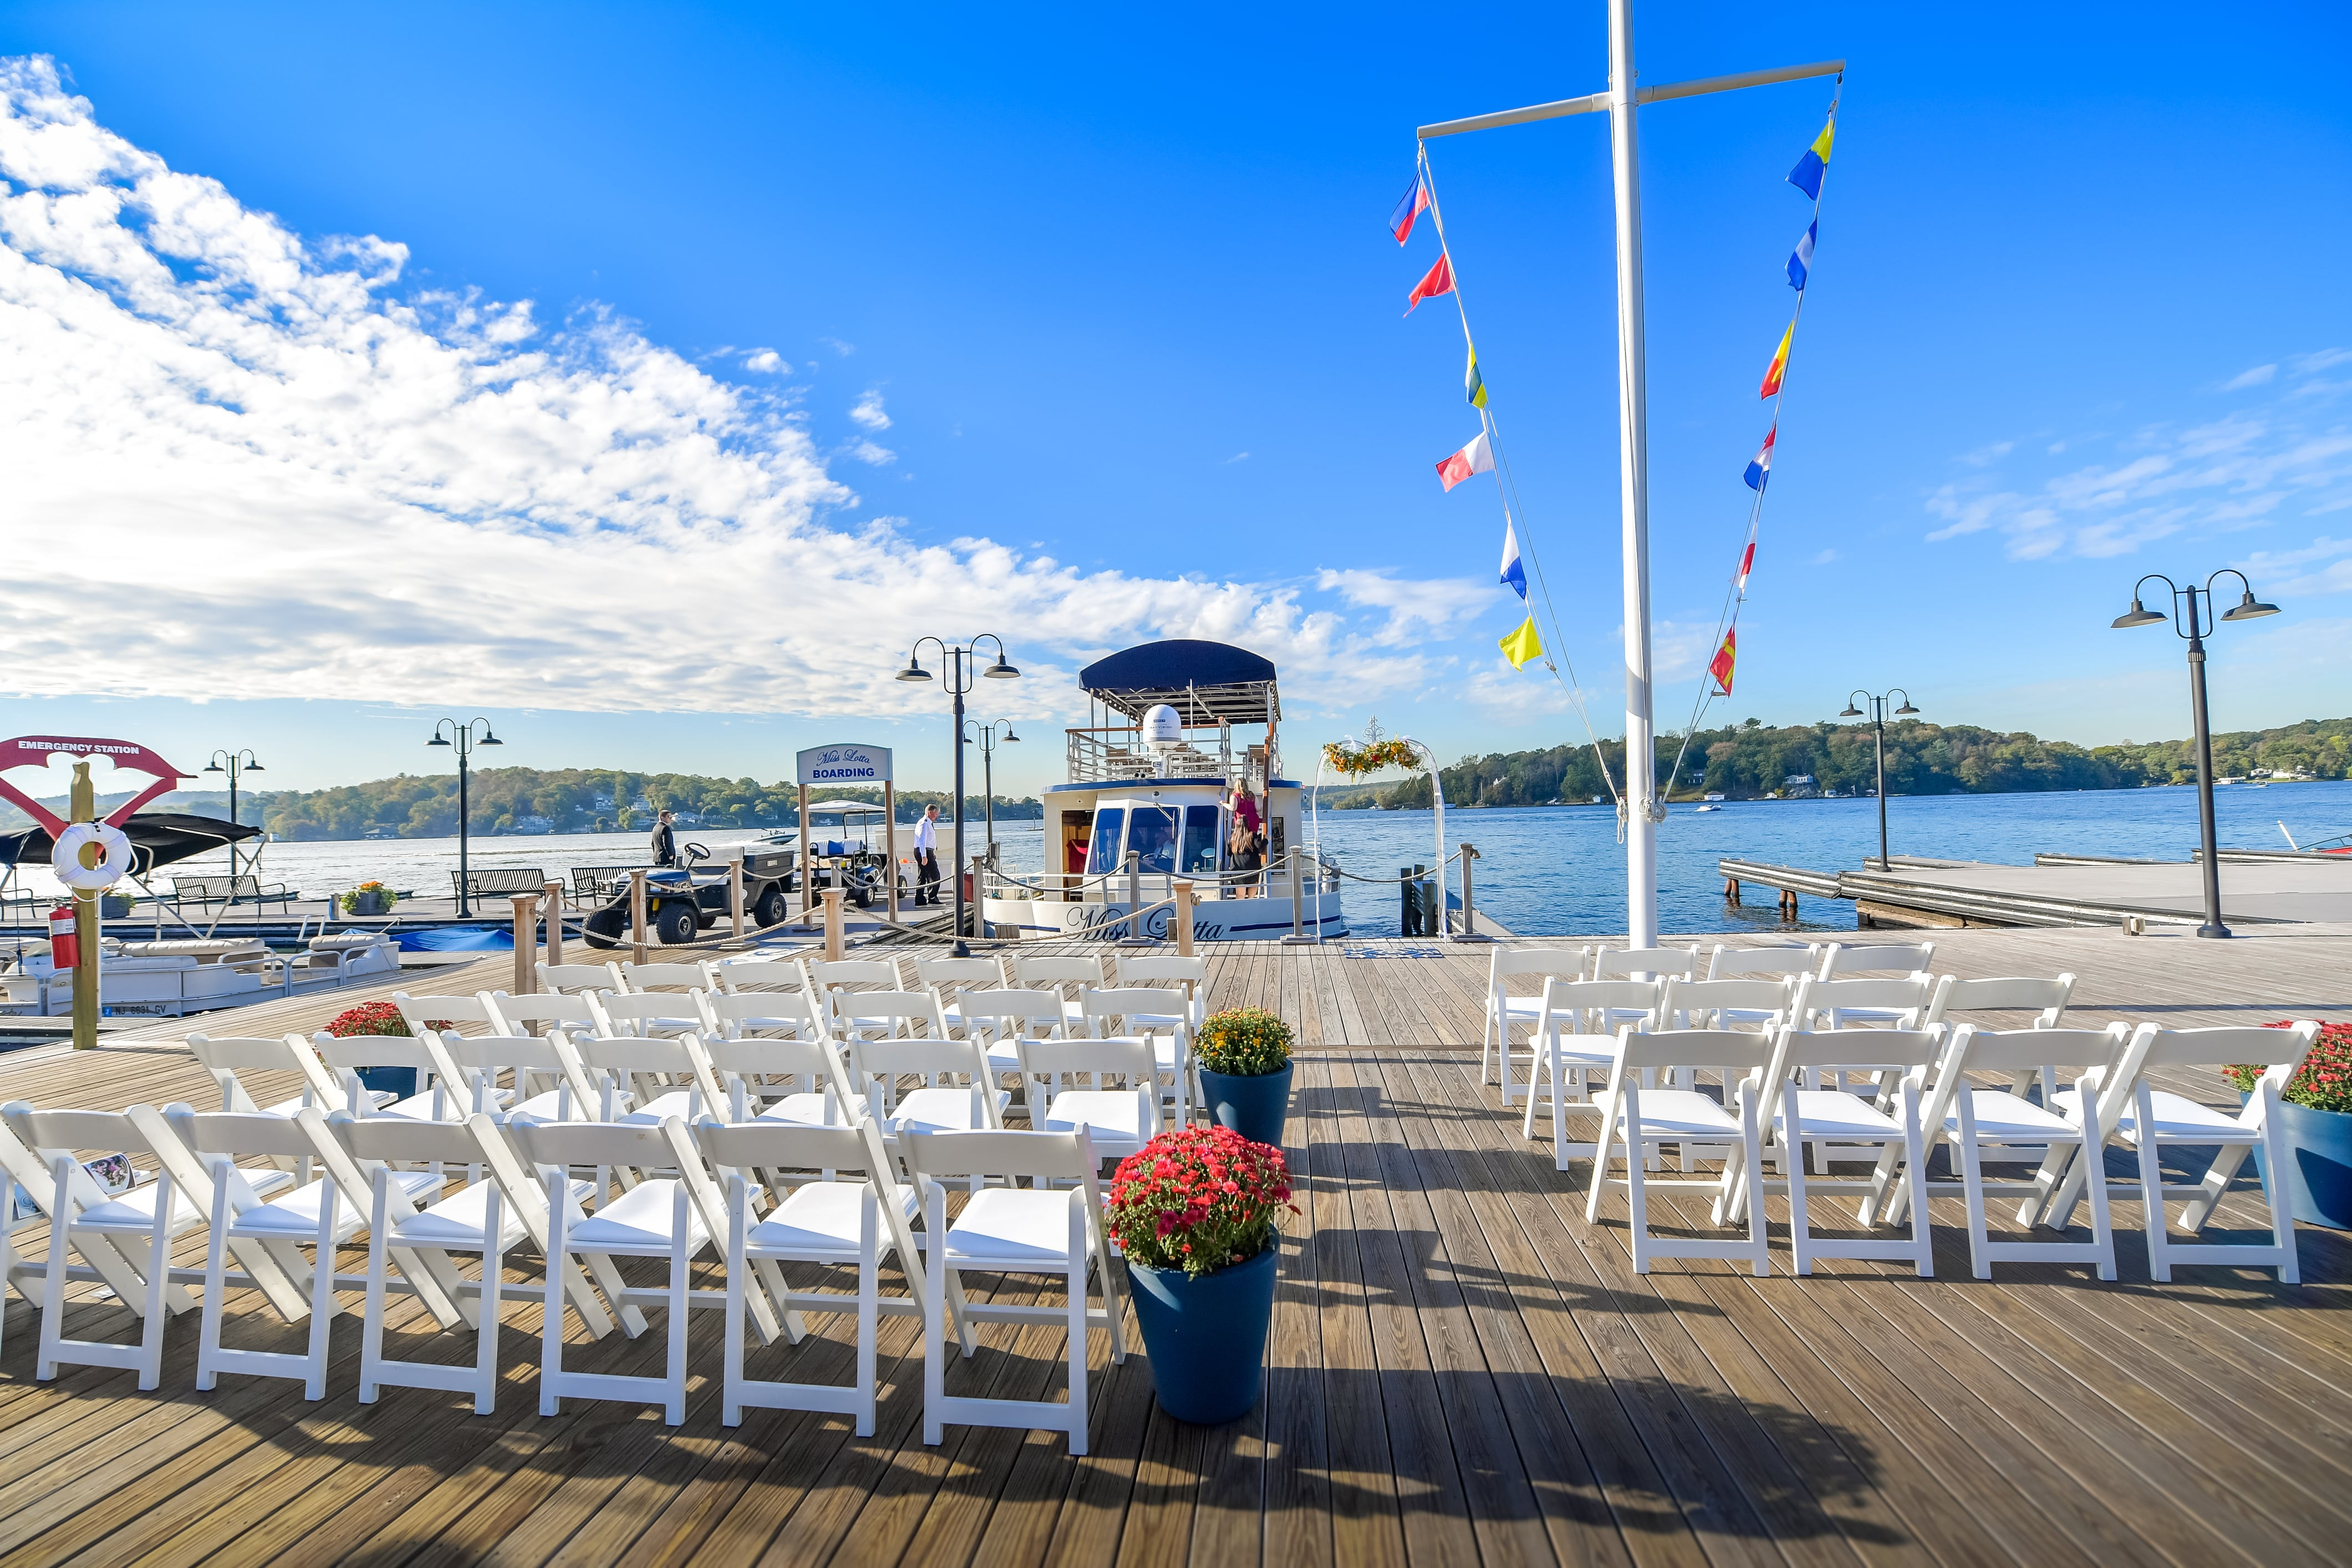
(475, 884)
(228, 891)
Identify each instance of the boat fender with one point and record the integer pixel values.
(104, 868)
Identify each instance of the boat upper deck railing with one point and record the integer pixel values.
(1114, 755)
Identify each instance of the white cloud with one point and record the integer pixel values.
(1825, 557)
(282, 471)
(2246, 378)
(837, 346)
(868, 452)
(868, 411)
(1435, 606)
(766, 361)
(2291, 456)
(1237, 458)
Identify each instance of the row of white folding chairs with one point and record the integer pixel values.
(711, 1186)
(1845, 963)
(1768, 1112)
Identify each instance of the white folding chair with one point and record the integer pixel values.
(1576, 1036)
(831, 979)
(538, 1012)
(1189, 974)
(1844, 960)
(2045, 999)
(550, 1081)
(1794, 1115)
(1161, 1015)
(574, 979)
(2151, 1120)
(1118, 1122)
(1656, 962)
(137, 1227)
(225, 1058)
(1012, 1229)
(645, 1014)
(440, 1096)
(1062, 973)
(318, 1214)
(796, 1014)
(523, 1192)
(1749, 962)
(998, 1018)
(949, 979)
(437, 1014)
(1747, 1002)
(2006, 1122)
(755, 1071)
(940, 1104)
(1506, 1012)
(738, 975)
(636, 979)
(644, 1079)
(859, 1221)
(673, 1218)
(1639, 1118)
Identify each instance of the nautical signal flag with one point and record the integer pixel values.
(1438, 280)
(1807, 176)
(1725, 657)
(1801, 260)
(1523, 645)
(1416, 202)
(1477, 458)
(1780, 364)
(1760, 466)
(1474, 386)
(1747, 564)
(1513, 574)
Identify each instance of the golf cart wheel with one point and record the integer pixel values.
(771, 909)
(863, 898)
(675, 924)
(597, 939)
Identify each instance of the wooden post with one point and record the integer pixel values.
(832, 925)
(735, 888)
(1183, 920)
(890, 845)
(637, 913)
(526, 942)
(1469, 918)
(1731, 891)
(555, 924)
(808, 868)
(978, 883)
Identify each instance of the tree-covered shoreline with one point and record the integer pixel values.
(1751, 760)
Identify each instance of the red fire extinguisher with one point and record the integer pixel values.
(65, 942)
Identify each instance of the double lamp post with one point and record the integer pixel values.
(960, 664)
(236, 765)
(1878, 723)
(449, 733)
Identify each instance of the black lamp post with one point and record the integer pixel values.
(1878, 723)
(234, 764)
(2198, 623)
(986, 735)
(959, 662)
(450, 732)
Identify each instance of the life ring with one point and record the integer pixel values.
(114, 855)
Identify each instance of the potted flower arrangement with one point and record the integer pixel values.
(370, 898)
(1245, 1060)
(2315, 1117)
(116, 906)
(1194, 1210)
(381, 1018)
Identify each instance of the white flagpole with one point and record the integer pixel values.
(1634, 485)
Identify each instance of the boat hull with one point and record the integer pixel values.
(1214, 920)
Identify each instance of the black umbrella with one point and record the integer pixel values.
(157, 838)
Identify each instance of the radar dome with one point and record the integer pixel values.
(1162, 726)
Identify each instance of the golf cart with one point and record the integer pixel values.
(856, 861)
(680, 901)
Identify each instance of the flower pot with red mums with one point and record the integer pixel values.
(1194, 1210)
(2316, 1119)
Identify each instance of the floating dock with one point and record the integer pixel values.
(2257, 889)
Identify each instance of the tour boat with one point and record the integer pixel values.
(1171, 726)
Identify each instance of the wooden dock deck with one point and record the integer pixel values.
(1462, 1370)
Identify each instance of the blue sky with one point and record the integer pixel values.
(1083, 327)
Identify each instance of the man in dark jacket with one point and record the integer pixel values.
(665, 841)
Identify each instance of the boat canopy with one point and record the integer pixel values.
(157, 838)
(1205, 682)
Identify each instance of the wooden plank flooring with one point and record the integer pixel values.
(1462, 1371)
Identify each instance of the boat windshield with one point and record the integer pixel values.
(1105, 855)
(1201, 842)
(1153, 837)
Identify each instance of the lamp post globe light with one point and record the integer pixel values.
(236, 765)
(987, 737)
(464, 738)
(1878, 725)
(959, 663)
(2192, 623)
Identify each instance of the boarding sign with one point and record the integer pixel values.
(849, 765)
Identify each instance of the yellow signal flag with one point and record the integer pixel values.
(1523, 645)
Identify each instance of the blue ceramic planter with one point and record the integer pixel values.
(1254, 1107)
(1206, 1336)
(2319, 1154)
(400, 1081)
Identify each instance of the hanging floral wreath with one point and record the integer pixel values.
(1354, 761)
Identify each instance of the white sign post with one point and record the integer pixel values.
(847, 764)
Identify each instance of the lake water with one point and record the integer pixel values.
(1543, 870)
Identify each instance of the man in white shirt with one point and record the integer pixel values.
(926, 858)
